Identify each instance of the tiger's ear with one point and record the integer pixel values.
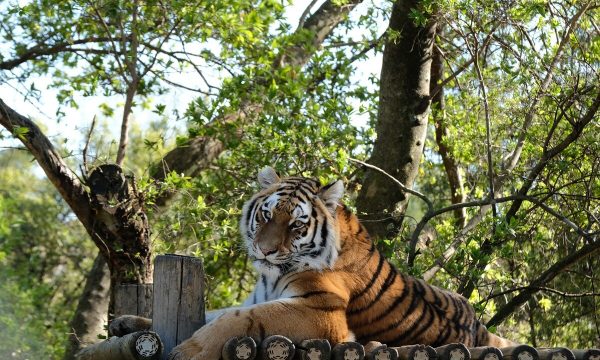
(331, 194)
(267, 177)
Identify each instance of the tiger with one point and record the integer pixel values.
(320, 275)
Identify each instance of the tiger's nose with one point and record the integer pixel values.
(267, 252)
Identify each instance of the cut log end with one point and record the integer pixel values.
(141, 345)
(314, 349)
(277, 347)
(239, 348)
(348, 351)
(453, 352)
(556, 354)
(520, 352)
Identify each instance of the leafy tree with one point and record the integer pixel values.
(485, 111)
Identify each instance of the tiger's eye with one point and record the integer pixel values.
(266, 215)
(297, 224)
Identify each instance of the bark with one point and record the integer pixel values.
(198, 153)
(451, 167)
(402, 121)
(90, 316)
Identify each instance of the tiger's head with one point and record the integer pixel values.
(289, 225)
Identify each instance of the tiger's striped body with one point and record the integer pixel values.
(322, 277)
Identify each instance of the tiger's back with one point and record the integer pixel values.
(396, 309)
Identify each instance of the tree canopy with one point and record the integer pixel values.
(465, 131)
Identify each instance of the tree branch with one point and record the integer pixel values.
(44, 50)
(198, 153)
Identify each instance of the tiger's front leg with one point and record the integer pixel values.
(297, 318)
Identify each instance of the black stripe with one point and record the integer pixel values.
(303, 192)
(250, 212)
(443, 337)
(289, 283)
(416, 329)
(413, 304)
(261, 331)
(311, 293)
(324, 233)
(326, 308)
(389, 280)
(373, 279)
(264, 281)
(277, 282)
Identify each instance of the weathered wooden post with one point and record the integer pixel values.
(178, 306)
(133, 299)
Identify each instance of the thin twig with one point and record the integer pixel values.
(401, 185)
(87, 143)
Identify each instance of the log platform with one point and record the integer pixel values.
(279, 347)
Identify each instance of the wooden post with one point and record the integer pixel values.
(178, 306)
(133, 299)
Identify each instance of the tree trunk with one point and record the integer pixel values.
(402, 120)
(91, 314)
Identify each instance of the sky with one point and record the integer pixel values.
(72, 130)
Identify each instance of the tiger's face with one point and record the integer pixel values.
(289, 225)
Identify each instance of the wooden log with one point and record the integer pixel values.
(453, 352)
(416, 352)
(141, 345)
(348, 351)
(555, 354)
(314, 349)
(178, 306)
(239, 348)
(133, 299)
(381, 352)
(586, 354)
(277, 347)
(520, 352)
(486, 353)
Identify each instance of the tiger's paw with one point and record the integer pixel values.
(191, 350)
(206, 343)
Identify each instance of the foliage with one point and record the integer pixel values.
(44, 256)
